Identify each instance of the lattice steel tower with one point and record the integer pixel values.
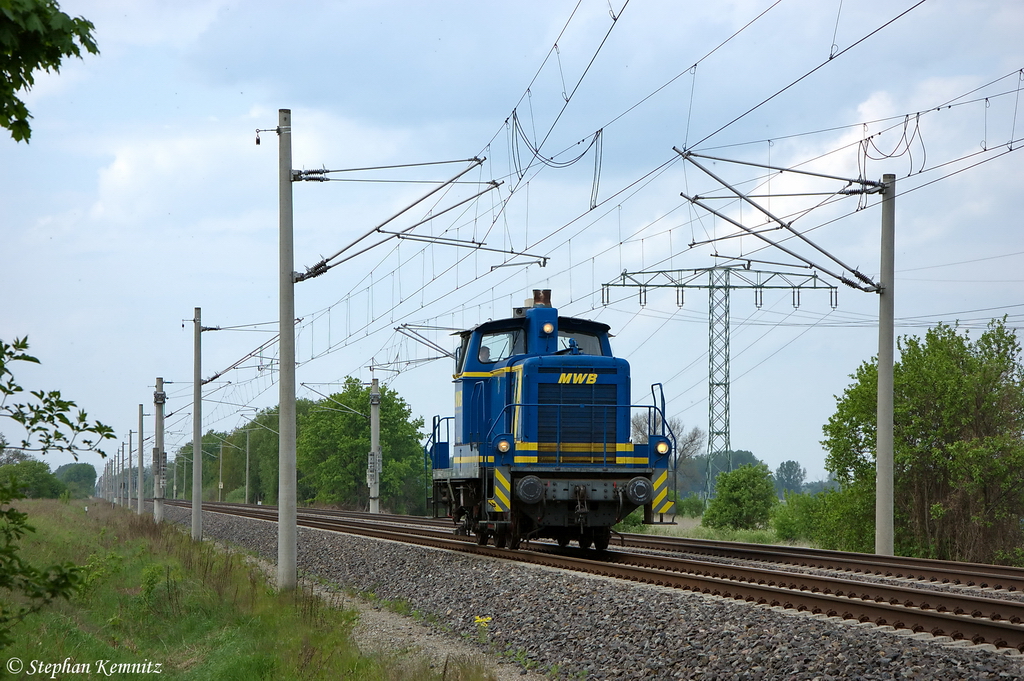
(720, 281)
(718, 363)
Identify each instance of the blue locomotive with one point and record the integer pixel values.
(541, 443)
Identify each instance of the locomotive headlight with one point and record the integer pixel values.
(662, 447)
(504, 446)
(548, 328)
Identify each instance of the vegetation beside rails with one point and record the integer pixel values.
(772, 527)
(693, 529)
(149, 594)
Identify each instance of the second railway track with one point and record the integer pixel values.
(976, 617)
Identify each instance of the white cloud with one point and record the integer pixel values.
(149, 23)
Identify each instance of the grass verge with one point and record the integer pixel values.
(152, 596)
(691, 528)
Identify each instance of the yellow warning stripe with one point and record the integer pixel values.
(657, 499)
(501, 478)
(501, 489)
(483, 374)
(661, 504)
(661, 479)
(473, 459)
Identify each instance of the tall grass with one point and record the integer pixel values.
(693, 529)
(151, 594)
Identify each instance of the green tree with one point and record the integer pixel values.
(80, 478)
(789, 477)
(744, 500)
(958, 444)
(692, 474)
(819, 486)
(211, 449)
(691, 506)
(34, 35)
(334, 442)
(264, 445)
(33, 479)
(795, 518)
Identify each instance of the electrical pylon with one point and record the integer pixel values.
(720, 281)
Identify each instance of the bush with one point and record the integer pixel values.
(692, 506)
(34, 479)
(634, 522)
(744, 501)
(846, 518)
(798, 517)
(236, 496)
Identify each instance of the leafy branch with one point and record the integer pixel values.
(49, 420)
(34, 35)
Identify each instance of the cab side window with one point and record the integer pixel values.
(495, 347)
(460, 354)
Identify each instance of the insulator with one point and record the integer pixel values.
(864, 278)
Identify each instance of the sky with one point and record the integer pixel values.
(143, 194)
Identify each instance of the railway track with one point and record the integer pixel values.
(915, 606)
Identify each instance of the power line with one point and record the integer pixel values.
(809, 73)
(962, 262)
(460, 261)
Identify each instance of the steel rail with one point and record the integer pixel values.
(977, 575)
(901, 567)
(959, 616)
(955, 602)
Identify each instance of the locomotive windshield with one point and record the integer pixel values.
(499, 340)
(588, 343)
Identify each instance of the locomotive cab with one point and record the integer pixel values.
(541, 443)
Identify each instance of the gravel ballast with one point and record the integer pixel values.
(580, 626)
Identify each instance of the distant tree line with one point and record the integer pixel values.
(332, 444)
(36, 481)
(695, 478)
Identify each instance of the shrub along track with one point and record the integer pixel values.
(977, 616)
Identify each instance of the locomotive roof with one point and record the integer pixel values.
(567, 323)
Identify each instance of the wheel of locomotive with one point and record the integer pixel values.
(514, 535)
(586, 539)
(481, 537)
(563, 540)
(501, 537)
(602, 537)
